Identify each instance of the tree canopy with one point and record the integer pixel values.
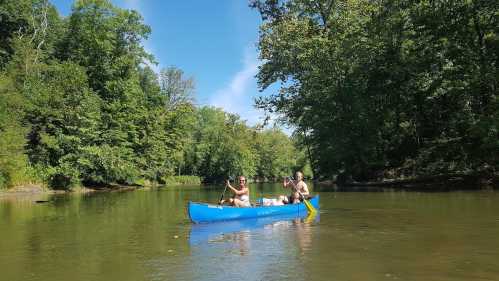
(80, 105)
(409, 87)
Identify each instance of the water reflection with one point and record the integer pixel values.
(211, 232)
(304, 232)
(242, 242)
(256, 249)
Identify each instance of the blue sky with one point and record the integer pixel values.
(213, 41)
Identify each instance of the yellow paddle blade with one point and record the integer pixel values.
(310, 217)
(309, 206)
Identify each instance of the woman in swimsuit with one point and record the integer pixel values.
(241, 198)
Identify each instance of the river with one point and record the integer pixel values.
(146, 235)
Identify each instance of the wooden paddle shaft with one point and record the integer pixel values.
(223, 193)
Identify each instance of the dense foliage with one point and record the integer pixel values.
(223, 145)
(407, 87)
(78, 104)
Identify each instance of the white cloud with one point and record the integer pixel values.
(236, 96)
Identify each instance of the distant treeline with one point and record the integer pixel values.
(389, 88)
(79, 105)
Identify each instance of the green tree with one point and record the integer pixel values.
(37, 21)
(64, 115)
(80, 105)
(222, 146)
(13, 160)
(107, 41)
(277, 156)
(176, 89)
(404, 85)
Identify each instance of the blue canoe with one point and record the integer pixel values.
(204, 212)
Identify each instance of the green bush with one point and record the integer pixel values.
(13, 161)
(3, 181)
(65, 177)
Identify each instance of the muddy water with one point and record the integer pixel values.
(146, 235)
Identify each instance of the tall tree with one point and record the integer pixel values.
(404, 85)
(177, 89)
(13, 160)
(107, 41)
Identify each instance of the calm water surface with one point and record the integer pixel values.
(146, 235)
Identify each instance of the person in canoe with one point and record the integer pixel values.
(297, 186)
(241, 194)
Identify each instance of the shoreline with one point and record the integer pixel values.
(448, 182)
(36, 191)
(436, 183)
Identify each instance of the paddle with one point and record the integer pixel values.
(309, 206)
(223, 193)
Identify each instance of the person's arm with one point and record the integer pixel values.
(289, 184)
(292, 185)
(243, 191)
(227, 183)
(305, 189)
(237, 192)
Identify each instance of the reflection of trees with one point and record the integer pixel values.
(255, 250)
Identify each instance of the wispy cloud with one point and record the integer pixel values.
(236, 96)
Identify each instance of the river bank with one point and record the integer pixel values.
(27, 191)
(40, 190)
(446, 182)
(435, 183)
(35, 192)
